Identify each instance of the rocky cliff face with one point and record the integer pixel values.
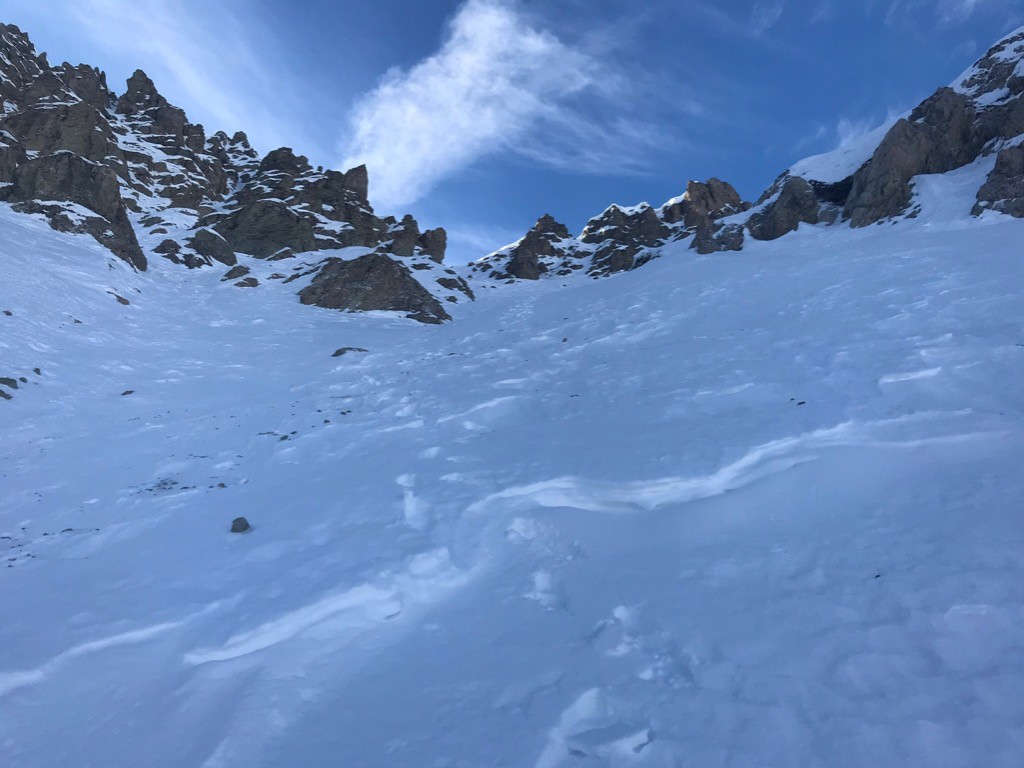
(979, 115)
(134, 173)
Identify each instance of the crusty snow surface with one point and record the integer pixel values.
(751, 509)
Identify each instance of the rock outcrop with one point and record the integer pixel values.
(372, 282)
(42, 183)
(703, 203)
(939, 136)
(795, 204)
(1003, 191)
(622, 238)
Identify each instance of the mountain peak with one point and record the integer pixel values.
(141, 95)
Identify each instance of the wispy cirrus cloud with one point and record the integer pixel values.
(765, 15)
(948, 12)
(500, 82)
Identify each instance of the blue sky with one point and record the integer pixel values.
(480, 115)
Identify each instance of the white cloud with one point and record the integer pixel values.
(946, 12)
(499, 82)
(210, 58)
(955, 11)
(766, 14)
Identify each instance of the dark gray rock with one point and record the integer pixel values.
(433, 243)
(702, 203)
(796, 203)
(77, 127)
(1003, 191)
(405, 236)
(620, 235)
(939, 136)
(19, 64)
(240, 525)
(143, 103)
(208, 243)
(89, 84)
(712, 238)
(372, 282)
(995, 81)
(65, 176)
(544, 240)
(265, 227)
(249, 282)
(358, 181)
(12, 154)
(457, 284)
(345, 350)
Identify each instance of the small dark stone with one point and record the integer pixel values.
(236, 272)
(128, 392)
(249, 282)
(7, 312)
(8, 382)
(37, 372)
(23, 380)
(240, 525)
(345, 350)
(120, 299)
(802, 402)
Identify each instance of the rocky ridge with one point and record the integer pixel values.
(134, 173)
(980, 115)
(619, 239)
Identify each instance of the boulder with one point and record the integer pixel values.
(208, 243)
(235, 273)
(372, 282)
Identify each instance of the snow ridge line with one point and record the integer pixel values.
(764, 460)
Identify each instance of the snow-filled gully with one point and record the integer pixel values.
(711, 510)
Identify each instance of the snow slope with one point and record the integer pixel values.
(749, 509)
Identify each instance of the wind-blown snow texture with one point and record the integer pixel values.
(741, 510)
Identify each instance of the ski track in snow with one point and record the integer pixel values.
(711, 510)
